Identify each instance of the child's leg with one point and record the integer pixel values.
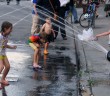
(46, 48)
(106, 13)
(6, 70)
(36, 48)
(1, 68)
(1, 65)
(36, 56)
(36, 64)
(35, 59)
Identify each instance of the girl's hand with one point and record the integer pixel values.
(55, 17)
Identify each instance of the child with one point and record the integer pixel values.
(47, 32)
(6, 29)
(8, 2)
(34, 42)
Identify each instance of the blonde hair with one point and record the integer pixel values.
(48, 18)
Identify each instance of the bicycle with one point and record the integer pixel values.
(87, 19)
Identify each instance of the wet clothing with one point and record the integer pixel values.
(49, 38)
(3, 43)
(2, 57)
(32, 45)
(37, 41)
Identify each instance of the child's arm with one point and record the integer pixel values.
(11, 47)
(42, 28)
(53, 32)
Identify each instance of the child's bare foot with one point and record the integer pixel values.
(36, 66)
(4, 82)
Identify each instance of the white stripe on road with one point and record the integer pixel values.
(21, 20)
(12, 12)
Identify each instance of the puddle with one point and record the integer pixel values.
(60, 72)
(57, 78)
(61, 48)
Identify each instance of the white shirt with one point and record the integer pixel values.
(3, 43)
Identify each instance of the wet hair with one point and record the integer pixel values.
(5, 25)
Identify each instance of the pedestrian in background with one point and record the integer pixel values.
(107, 7)
(61, 14)
(8, 2)
(97, 3)
(72, 8)
(84, 5)
(35, 18)
(17, 2)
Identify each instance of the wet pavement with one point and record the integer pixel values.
(58, 76)
(95, 62)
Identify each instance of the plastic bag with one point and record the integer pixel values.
(63, 2)
(86, 35)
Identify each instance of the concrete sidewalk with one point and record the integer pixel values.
(97, 64)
